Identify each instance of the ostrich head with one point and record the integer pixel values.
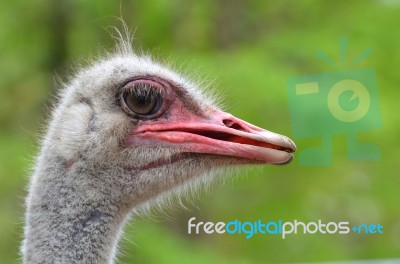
(127, 130)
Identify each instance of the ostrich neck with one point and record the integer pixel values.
(69, 218)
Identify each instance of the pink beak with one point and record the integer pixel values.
(221, 134)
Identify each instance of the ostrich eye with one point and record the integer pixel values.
(143, 99)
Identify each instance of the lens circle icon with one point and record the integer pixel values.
(358, 90)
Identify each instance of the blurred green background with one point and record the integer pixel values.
(251, 48)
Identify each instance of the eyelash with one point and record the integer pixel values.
(145, 90)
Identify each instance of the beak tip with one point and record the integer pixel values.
(294, 147)
(291, 144)
(287, 161)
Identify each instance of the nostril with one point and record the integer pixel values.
(231, 124)
(227, 122)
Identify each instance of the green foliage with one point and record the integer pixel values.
(251, 48)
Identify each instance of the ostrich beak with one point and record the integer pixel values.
(221, 134)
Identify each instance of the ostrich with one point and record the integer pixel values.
(126, 131)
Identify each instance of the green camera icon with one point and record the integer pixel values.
(323, 105)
